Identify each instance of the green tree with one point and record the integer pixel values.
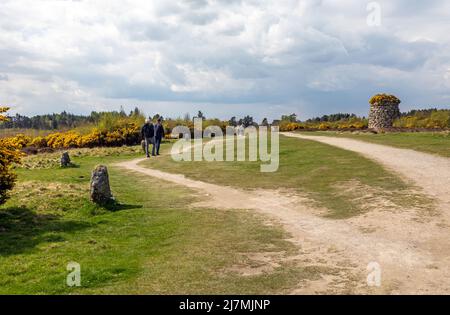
(233, 122)
(289, 118)
(201, 115)
(246, 121)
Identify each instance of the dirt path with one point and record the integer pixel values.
(430, 172)
(408, 265)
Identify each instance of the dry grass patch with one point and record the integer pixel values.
(370, 198)
(52, 160)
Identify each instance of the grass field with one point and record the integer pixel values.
(428, 142)
(152, 243)
(343, 182)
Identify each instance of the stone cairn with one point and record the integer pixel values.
(100, 189)
(384, 109)
(65, 160)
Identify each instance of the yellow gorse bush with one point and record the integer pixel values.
(382, 99)
(39, 142)
(439, 119)
(10, 154)
(2, 111)
(126, 135)
(326, 125)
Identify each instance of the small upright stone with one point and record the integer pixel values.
(65, 160)
(100, 189)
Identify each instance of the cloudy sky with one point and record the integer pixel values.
(225, 57)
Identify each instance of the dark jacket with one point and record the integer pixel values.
(148, 131)
(159, 132)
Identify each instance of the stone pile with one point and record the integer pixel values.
(383, 114)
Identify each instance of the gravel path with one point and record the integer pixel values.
(414, 256)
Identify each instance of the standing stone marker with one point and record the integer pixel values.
(65, 159)
(100, 189)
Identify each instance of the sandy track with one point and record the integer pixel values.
(430, 172)
(408, 264)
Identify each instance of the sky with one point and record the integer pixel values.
(224, 57)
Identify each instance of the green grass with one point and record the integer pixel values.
(318, 170)
(153, 243)
(428, 142)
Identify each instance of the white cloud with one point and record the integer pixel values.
(313, 56)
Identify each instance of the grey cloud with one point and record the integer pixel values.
(390, 51)
(149, 31)
(199, 18)
(196, 4)
(315, 56)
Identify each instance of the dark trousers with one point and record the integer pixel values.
(156, 146)
(147, 143)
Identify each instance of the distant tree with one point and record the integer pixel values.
(122, 112)
(94, 117)
(135, 112)
(265, 122)
(289, 118)
(332, 117)
(187, 117)
(201, 115)
(54, 124)
(232, 122)
(276, 122)
(247, 121)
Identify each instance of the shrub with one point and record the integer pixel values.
(382, 99)
(324, 126)
(9, 155)
(55, 140)
(39, 142)
(71, 140)
(129, 134)
(427, 119)
(439, 119)
(93, 139)
(21, 141)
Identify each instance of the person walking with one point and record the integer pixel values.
(159, 135)
(148, 133)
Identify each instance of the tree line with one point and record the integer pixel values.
(63, 120)
(67, 121)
